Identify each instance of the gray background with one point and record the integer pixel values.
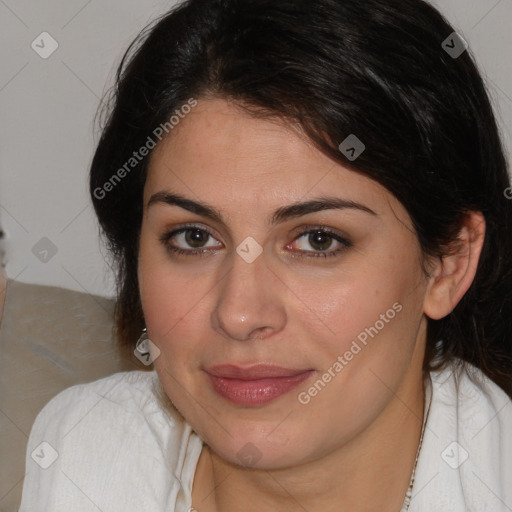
(47, 108)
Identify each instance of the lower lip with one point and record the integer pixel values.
(256, 392)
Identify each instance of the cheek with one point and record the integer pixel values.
(372, 317)
(378, 304)
(167, 295)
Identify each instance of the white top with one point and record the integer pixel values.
(111, 446)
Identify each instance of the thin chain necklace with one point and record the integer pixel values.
(408, 495)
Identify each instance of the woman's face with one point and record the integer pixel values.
(342, 308)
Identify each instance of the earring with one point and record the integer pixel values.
(145, 350)
(142, 345)
(143, 339)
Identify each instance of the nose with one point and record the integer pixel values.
(249, 303)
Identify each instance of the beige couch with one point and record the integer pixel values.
(50, 338)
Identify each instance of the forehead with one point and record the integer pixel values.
(224, 156)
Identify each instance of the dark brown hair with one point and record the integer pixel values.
(373, 68)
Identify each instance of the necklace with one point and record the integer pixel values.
(408, 495)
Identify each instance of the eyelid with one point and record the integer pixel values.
(190, 225)
(306, 228)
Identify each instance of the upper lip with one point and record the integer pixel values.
(258, 371)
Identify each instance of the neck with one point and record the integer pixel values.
(369, 473)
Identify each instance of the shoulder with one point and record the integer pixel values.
(126, 403)
(114, 399)
(106, 439)
(475, 401)
(466, 459)
(115, 385)
(133, 389)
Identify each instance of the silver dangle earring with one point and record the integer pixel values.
(143, 337)
(143, 348)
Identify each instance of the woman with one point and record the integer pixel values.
(306, 205)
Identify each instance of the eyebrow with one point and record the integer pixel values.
(280, 215)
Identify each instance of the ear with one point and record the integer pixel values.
(453, 274)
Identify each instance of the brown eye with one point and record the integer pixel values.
(320, 240)
(196, 238)
(189, 241)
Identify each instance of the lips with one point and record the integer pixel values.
(255, 372)
(255, 385)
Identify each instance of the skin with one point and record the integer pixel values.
(353, 446)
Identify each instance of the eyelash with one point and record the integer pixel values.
(301, 254)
